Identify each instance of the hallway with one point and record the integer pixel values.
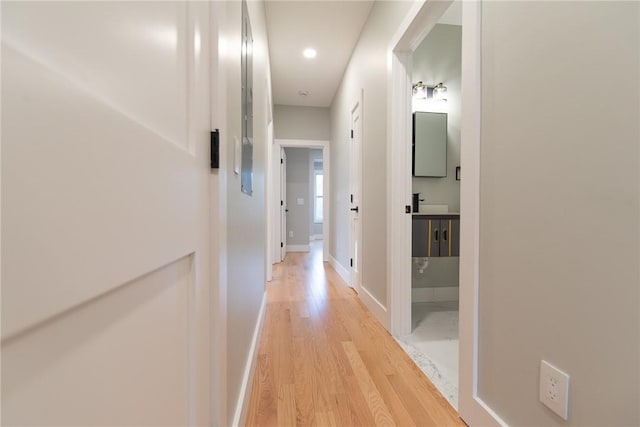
(324, 360)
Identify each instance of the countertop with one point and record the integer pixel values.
(436, 214)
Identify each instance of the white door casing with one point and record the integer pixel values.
(268, 202)
(417, 24)
(279, 144)
(105, 231)
(355, 197)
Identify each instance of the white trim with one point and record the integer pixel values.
(494, 418)
(315, 237)
(242, 407)
(421, 18)
(379, 311)
(340, 269)
(471, 408)
(298, 248)
(326, 168)
(398, 190)
(269, 202)
(435, 294)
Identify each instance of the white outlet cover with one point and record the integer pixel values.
(300, 202)
(554, 389)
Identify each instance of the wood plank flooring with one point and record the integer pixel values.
(324, 360)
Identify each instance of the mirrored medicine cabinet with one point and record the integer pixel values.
(429, 144)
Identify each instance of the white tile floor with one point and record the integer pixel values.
(433, 344)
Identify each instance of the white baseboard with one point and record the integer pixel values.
(297, 248)
(342, 272)
(442, 294)
(242, 407)
(375, 307)
(315, 237)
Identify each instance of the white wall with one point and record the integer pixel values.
(297, 122)
(438, 59)
(246, 240)
(367, 70)
(298, 188)
(559, 219)
(105, 237)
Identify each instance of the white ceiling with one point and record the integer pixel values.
(330, 27)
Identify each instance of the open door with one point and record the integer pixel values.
(355, 154)
(283, 204)
(105, 213)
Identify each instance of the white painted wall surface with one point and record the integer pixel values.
(246, 228)
(367, 70)
(105, 236)
(560, 195)
(297, 122)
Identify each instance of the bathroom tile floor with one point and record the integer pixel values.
(433, 344)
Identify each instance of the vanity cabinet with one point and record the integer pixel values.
(435, 235)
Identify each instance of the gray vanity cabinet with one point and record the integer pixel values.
(435, 235)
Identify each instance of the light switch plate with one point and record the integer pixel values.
(554, 389)
(300, 201)
(237, 155)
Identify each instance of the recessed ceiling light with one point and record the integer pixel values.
(309, 53)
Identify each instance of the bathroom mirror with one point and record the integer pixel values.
(429, 144)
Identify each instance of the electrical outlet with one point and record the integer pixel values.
(290, 233)
(554, 389)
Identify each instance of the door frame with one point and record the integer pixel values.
(326, 209)
(417, 24)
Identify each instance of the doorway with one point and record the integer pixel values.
(414, 29)
(316, 205)
(436, 86)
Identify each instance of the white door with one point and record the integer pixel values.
(283, 204)
(355, 156)
(105, 235)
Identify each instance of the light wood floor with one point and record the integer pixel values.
(324, 360)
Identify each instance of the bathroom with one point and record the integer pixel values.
(436, 174)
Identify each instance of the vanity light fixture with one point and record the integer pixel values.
(420, 90)
(440, 92)
(434, 93)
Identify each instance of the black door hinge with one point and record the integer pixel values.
(407, 209)
(352, 198)
(281, 161)
(350, 262)
(215, 149)
(281, 203)
(351, 133)
(281, 245)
